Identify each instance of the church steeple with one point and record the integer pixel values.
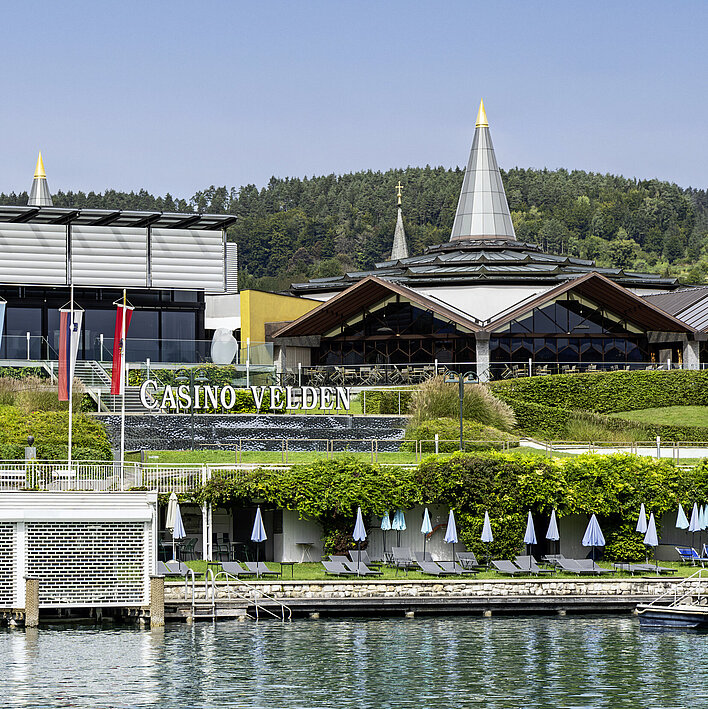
(39, 194)
(482, 212)
(400, 245)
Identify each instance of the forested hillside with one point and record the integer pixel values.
(297, 228)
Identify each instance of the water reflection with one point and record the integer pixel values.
(421, 662)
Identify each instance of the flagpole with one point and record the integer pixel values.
(70, 371)
(122, 389)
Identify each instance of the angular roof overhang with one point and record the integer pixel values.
(365, 293)
(601, 289)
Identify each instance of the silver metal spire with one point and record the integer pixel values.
(482, 212)
(39, 194)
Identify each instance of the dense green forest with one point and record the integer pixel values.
(295, 228)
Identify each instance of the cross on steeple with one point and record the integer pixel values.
(399, 187)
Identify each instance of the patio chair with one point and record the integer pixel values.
(453, 567)
(260, 569)
(468, 560)
(187, 551)
(361, 569)
(402, 558)
(529, 563)
(430, 567)
(688, 554)
(504, 566)
(335, 568)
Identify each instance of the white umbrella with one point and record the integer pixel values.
(399, 524)
(642, 520)
(553, 535)
(359, 535)
(385, 527)
(651, 538)
(258, 535)
(487, 536)
(174, 522)
(695, 524)
(681, 519)
(426, 528)
(593, 536)
(451, 532)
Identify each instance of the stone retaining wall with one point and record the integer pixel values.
(553, 588)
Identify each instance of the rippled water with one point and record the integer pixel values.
(427, 662)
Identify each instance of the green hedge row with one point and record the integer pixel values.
(386, 402)
(448, 430)
(609, 392)
(507, 485)
(50, 430)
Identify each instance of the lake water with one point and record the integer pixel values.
(422, 663)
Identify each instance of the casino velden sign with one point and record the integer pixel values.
(202, 397)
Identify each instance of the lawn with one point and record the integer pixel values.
(669, 415)
(315, 572)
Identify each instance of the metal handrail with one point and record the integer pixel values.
(696, 576)
(255, 592)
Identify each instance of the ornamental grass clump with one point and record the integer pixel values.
(436, 399)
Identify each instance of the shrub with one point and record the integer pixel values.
(587, 426)
(435, 399)
(33, 393)
(386, 402)
(448, 431)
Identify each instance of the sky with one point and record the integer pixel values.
(177, 96)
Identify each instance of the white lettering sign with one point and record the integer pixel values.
(210, 397)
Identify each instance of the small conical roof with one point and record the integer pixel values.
(39, 194)
(400, 245)
(482, 212)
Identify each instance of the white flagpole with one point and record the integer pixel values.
(122, 391)
(70, 372)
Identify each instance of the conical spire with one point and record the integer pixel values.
(39, 194)
(400, 245)
(482, 212)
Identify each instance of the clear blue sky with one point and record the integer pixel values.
(176, 96)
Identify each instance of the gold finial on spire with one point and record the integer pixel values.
(39, 170)
(399, 187)
(481, 116)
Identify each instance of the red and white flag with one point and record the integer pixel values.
(121, 332)
(69, 334)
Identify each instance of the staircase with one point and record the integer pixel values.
(97, 382)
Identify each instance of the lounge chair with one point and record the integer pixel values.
(260, 569)
(528, 563)
(688, 555)
(402, 558)
(571, 566)
(233, 568)
(643, 568)
(423, 556)
(361, 569)
(430, 567)
(504, 566)
(454, 568)
(468, 560)
(172, 568)
(362, 556)
(335, 568)
(594, 567)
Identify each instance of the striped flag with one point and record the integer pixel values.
(69, 334)
(117, 378)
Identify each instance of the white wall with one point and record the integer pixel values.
(285, 545)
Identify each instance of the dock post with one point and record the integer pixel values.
(31, 601)
(157, 601)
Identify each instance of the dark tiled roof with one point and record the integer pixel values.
(687, 304)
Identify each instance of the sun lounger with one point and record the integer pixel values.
(688, 555)
(335, 568)
(504, 566)
(430, 567)
(361, 569)
(571, 566)
(468, 560)
(643, 568)
(528, 563)
(594, 567)
(260, 569)
(172, 568)
(453, 567)
(233, 568)
(362, 556)
(423, 556)
(402, 558)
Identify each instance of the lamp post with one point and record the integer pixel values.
(461, 378)
(189, 377)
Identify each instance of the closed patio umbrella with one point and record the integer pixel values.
(681, 519)
(426, 528)
(552, 534)
(695, 524)
(173, 522)
(451, 532)
(650, 538)
(642, 520)
(593, 536)
(399, 524)
(385, 527)
(359, 535)
(487, 536)
(258, 535)
(530, 534)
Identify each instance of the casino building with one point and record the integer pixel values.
(170, 264)
(486, 298)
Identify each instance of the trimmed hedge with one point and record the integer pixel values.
(449, 432)
(609, 392)
(50, 430)
(386, 402)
